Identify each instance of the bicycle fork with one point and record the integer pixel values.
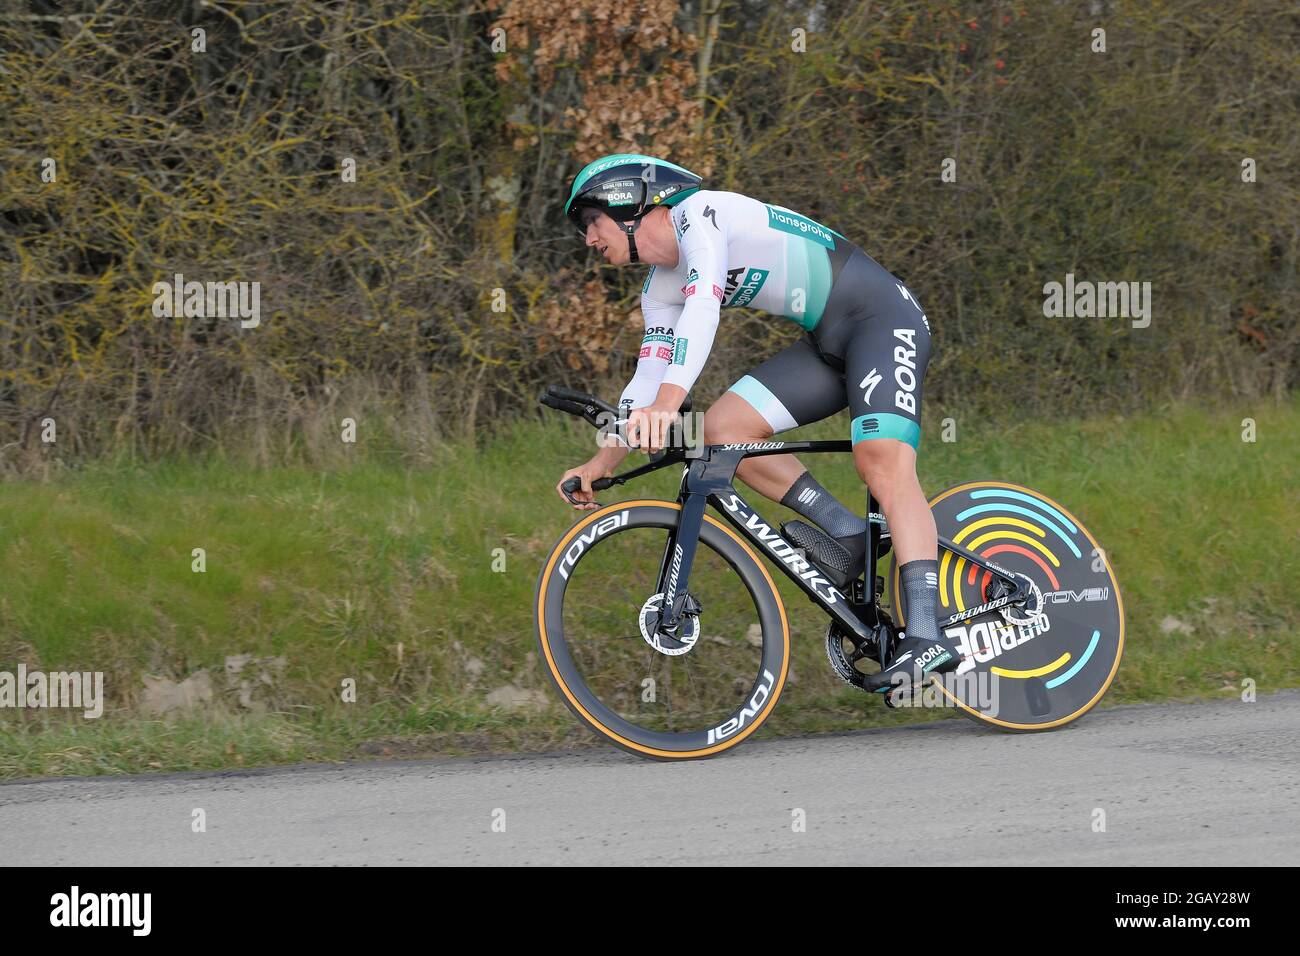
(675, 568)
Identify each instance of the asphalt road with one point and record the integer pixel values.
(1211, 783)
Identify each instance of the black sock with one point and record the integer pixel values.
(819, 506)
(920, 581)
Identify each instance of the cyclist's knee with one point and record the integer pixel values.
(732, 419)
(885, 464)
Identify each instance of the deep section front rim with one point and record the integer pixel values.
(563, 564)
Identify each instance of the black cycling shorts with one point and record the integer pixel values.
(869, 352)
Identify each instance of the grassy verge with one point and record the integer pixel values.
(416, 584)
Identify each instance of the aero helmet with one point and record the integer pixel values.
(627, 186)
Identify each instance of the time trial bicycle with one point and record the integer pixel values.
(664, 632)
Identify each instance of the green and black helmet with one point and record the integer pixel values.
(627, 186)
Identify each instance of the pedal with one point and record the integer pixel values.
(831, 557)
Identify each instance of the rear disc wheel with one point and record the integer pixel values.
(1036, 667)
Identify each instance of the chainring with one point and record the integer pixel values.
(841, 662)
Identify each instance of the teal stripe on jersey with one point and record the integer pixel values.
(796, 280)
(819, 284)
(807, 281)
(886, 425)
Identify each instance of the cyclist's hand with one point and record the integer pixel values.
(647, 428)
(588, 472)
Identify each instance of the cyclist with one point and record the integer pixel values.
(866, 345)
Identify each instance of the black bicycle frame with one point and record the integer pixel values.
(708, 479)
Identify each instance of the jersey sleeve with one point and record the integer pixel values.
(702, 239)
(656, 352)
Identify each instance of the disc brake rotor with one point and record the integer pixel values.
(673, 645)
(1032, 609)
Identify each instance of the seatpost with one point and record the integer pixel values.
(873, 546)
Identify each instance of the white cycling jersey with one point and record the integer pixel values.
(732, 251)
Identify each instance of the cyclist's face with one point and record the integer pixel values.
(605, 235)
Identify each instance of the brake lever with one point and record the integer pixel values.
(575, 484)
(569, 487)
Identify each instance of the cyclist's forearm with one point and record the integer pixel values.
(641, 390)
(670, 396)
(610, 458)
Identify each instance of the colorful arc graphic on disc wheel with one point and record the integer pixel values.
(1048, 673)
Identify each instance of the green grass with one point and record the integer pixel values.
(382, 574)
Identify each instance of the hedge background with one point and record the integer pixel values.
(438, 290)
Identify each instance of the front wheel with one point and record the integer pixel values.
(1039, 666)
(692, 694)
